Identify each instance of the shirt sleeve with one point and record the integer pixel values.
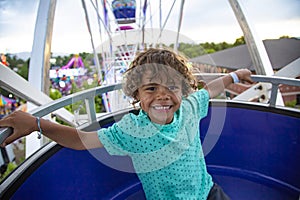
(112, 140)
(199, 101)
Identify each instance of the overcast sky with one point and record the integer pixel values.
(203, 21)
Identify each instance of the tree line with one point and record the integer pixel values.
(189, 50)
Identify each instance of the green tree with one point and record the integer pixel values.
(23, 69)
(284, 36)
(239, 41)
(55, 94)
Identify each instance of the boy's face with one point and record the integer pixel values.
(160, 97)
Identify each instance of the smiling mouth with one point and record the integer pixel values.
(162, 107)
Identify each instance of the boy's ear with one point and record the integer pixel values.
(137, 96)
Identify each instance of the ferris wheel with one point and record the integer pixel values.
(128, 26)
(125, 28)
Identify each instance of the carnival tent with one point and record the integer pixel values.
(5, 100)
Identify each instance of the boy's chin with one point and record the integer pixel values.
(161, 119)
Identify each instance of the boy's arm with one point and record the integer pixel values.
(23, 124)
(218, 85)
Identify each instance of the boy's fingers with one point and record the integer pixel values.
(249, 80)
(8, 140)
(11, 138)
(5, 122)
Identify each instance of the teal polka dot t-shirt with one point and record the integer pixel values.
(168, 159)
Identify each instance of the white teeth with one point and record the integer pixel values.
(161, 107)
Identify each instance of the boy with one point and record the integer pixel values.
(163, 140)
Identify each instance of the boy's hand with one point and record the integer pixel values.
(244, 75)
(22, 123)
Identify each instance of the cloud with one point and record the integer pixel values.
(205, 20)
(269, 10)
(17, 17)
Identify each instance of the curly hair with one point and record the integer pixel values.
(160, 60)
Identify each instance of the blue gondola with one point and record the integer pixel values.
(124, 11)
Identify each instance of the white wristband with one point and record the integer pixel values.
(234, 77)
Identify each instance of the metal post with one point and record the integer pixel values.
(258, 53)
(179, 26)
(38, 75)
(255, 46)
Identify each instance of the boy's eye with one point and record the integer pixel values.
(173, 87)
(150, 88)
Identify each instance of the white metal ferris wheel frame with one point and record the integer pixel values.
(41, 49)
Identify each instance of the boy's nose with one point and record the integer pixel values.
(163, 93)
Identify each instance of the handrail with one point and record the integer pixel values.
(88, 97)
(275, 84)
(275, 81)
(16, 84)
